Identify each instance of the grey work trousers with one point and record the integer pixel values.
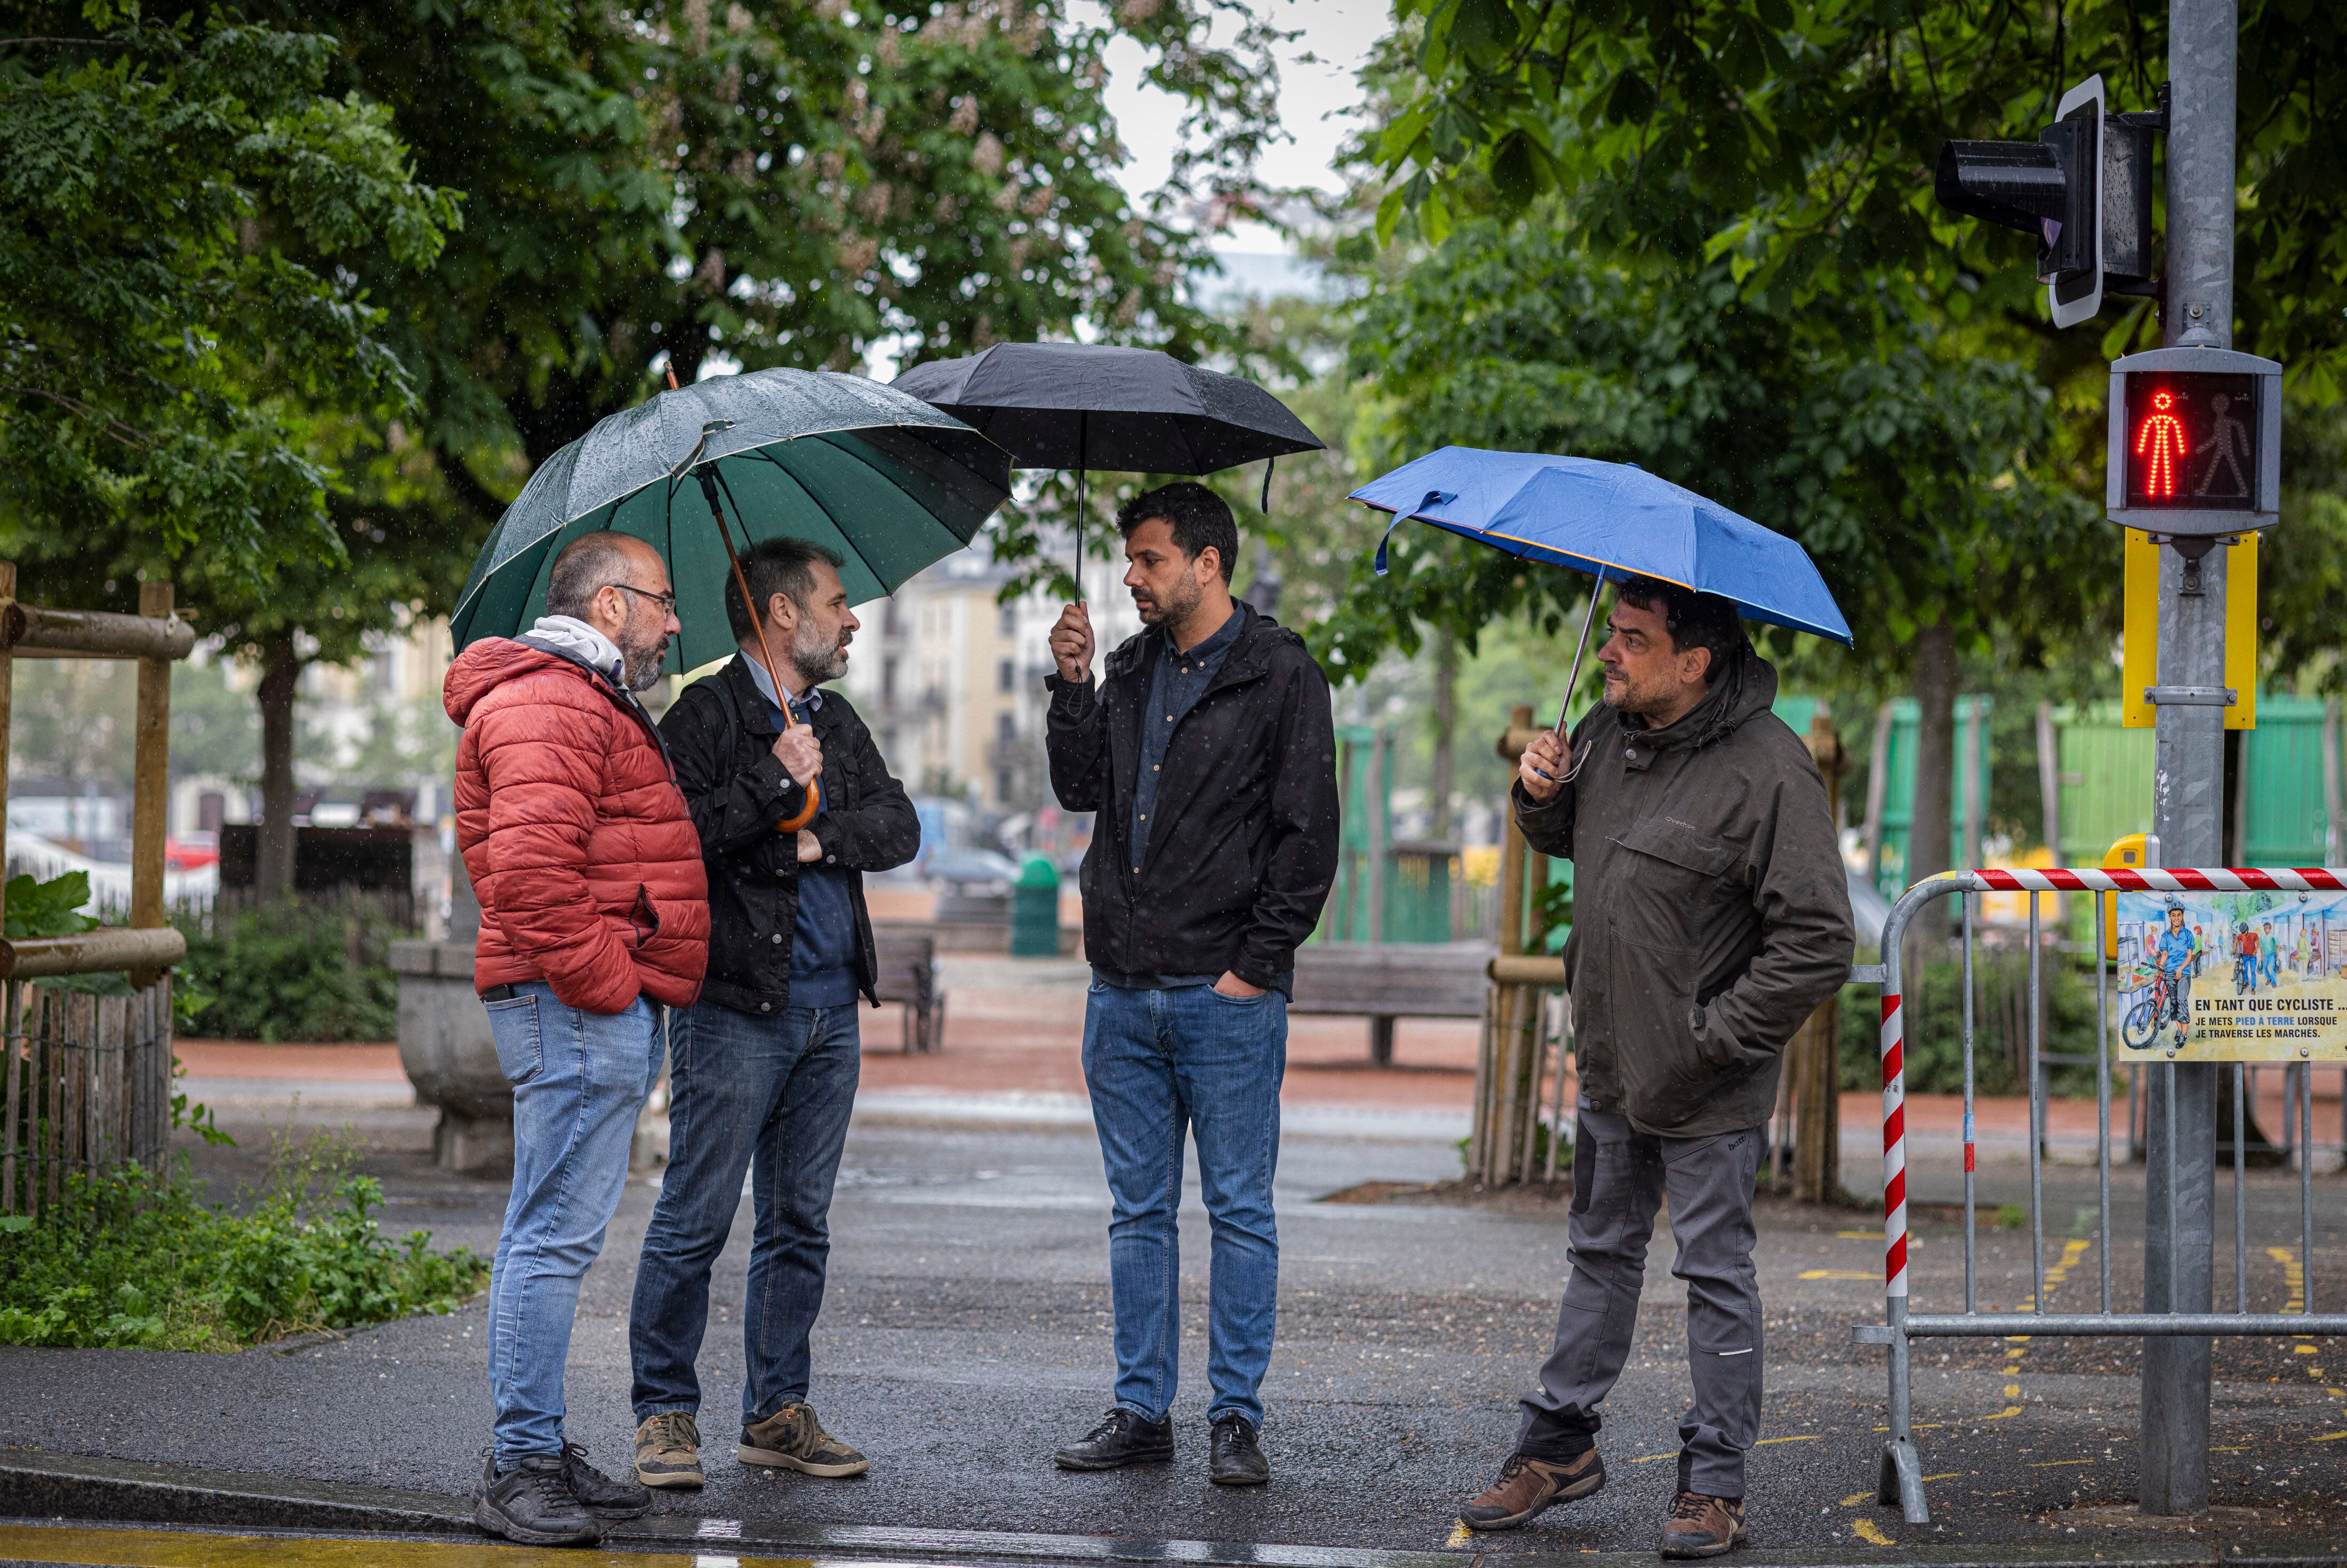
(1620, 1176)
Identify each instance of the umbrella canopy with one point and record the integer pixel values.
(885, 479)
(1090, 405)
(1613, 521)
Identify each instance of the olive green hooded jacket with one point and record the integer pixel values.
(1710, 913)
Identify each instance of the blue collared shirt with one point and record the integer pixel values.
(823, 942)
(1179, 681)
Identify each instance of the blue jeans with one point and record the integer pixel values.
(580, 1083)
(770, 1095)
(1159, 1062)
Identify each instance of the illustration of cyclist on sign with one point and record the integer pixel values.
(2287, 1002)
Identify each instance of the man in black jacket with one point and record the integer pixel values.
(1209, 756)
(762, 1068)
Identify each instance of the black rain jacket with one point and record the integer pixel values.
(720, 737)
(1710, 909)
(1244, 849)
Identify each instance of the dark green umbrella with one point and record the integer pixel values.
(884, 478)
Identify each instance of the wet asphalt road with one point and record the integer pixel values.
(966, 1334)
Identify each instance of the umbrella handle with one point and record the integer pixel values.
(814, 806)
(1573, 679)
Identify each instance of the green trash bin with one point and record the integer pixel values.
(1035, 909)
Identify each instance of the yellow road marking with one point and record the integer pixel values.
(1804, 1438)
(1855, 1498)
(178, 1549)
(1865, 1273)
(2295, 1276)
(1866, 1530)
(1945, 1475)
(2327, 1438)
(2071, 1251)
(1649, 1459)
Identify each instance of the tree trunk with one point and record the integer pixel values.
(1446, 728)
(280, 673)
(1928, 848)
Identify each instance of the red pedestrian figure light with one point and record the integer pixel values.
(2161, 439)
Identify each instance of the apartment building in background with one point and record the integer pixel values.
(951, 681)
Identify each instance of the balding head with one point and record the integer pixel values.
(618, 584)
(590, 563)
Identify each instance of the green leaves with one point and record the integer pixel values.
(51, 908)
(135, 1259)
(1899, 456)
(168, 325)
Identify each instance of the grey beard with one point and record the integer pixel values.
(642, 666)
(818, 663)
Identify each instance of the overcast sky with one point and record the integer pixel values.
(1317, 100)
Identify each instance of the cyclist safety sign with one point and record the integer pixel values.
(2232, 977)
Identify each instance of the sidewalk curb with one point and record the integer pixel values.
(39, 1487)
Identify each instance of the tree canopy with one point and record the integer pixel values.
(176, 317)
(1797, 138)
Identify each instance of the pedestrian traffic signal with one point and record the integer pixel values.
(2082, 188)
(2194, 441)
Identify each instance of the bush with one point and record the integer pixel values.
(135, 1259)
(1933, 1016)
(294, 972)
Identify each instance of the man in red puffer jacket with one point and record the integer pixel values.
(594, 915)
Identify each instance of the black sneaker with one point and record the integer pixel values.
(1234, 1458)
(533, 1504)
(604, 1496)
(1120, 1438)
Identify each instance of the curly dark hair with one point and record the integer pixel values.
(1703, 620)
(1200, 519)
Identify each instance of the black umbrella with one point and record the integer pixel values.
(1089, 405)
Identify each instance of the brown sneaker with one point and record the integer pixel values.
(792, 1439)
(1702, 1526)
(1527, 1485)
(668, 1452)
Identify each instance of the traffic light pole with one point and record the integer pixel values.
(2188, 772)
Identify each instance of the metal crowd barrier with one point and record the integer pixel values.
(1900, 1479)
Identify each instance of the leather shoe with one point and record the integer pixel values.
(1528, 1486)
(1234, 1457)
(1702, 1526)
(1120, 1438)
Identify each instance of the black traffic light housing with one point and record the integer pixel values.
(2082, 188)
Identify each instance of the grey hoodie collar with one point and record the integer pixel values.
(573, 637)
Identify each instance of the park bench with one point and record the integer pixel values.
(1390, 980)
(907, 964)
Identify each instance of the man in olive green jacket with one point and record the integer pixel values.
(1710, 918)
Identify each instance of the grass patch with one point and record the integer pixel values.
(135, 1259)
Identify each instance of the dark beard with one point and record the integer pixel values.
(818, 663)
(1174, 611)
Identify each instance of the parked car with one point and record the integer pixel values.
(964, 868)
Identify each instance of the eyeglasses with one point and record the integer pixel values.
(667, 602)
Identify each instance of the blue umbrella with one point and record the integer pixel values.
(1613, 520)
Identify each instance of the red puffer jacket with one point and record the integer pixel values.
(574, 834)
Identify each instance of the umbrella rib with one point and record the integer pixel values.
(844, 537)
